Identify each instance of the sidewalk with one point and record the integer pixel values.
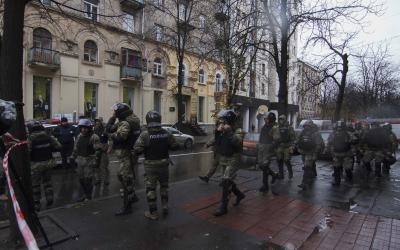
(291, 219)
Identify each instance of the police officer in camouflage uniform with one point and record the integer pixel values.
(285, 146)
(340, 146)
(41, 146)
(87, 151)
(309, 145)
(269, 135)
(155, 143)
(124, 135)
(102, 173)
(375, 143)
(228, 145)
(390, 155)
(358, 135)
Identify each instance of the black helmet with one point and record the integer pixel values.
(8, 115)
(153, 119)
(308, 124)
(270, 116)
(387, 126)
(64, 119)
(85, 123)
(227, 115)
(122, 110)
(35, 126)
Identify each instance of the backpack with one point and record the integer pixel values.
(284, 133)
(341, 142)
(306, 142)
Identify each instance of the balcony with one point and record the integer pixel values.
(133, 4)
(44, 58)
(130, 73)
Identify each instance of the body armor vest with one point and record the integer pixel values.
(83, 146)
(158, 145)
(41, 149)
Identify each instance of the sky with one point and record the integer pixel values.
(379, 30)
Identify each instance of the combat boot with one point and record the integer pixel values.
(239, 195)
(290, 169)
(281, 173)
(204, 178)
(223, 209)
(83, 185)
(151, 215)
(127, 206)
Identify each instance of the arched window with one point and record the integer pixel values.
(90, 51)
(201, 76)
(218, 82)
(157, 67)
(42, 38)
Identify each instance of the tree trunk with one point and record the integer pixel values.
(342, 87)
(11, 89)
(283, 70)
(180, 97)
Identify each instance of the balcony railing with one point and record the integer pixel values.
(46, 57)
(131, 73)
(134, 4)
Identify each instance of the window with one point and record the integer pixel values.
(159, 3)
(42, 38)
(263, 89)
(46, 2)
(128, 22)
(131, 58)
(200, 113)
(158, 32)
(263, 69)
(90, 52)
(157, 101)
(201, 76)
(41, 97)
(218, 83)
(91, 8)
(90, 96)
(184, 75)
(202, 23)
(157, 67)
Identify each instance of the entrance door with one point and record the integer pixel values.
(41, 98)
(91, 95)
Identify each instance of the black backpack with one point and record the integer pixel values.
(306, 142)
(341, 142)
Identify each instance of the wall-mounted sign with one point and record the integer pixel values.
(172, 109)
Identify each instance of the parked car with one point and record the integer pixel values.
(249, 153)
(184, 140)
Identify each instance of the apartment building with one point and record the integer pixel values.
(84, 55)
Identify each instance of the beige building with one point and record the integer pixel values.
(111, 51)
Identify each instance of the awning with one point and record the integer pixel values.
(249, 101)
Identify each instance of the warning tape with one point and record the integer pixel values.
(26, 232)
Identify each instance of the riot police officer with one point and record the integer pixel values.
(7, 117)
(86, 154)
(266, 149)
(340, 146)
(309, 144)
(390, 154)
(375, 143)
(214, 166)
(102, 173)
(228, 145)
(155, 143)
(124, 135)
(41, 146)
(285, 146)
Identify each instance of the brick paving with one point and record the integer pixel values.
(287, 222)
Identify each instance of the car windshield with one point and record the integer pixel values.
(325, 135)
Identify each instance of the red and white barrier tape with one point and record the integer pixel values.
(26, 232)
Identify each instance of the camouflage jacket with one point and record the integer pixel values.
(122, 129)
(54, 142)
(292, 136)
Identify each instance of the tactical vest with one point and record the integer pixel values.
(134, 132)
(83, 146)
(341, 142)
(158, 145)
(284, 133)
(41, 148)
(224, 144)
(266, 135)
(306, 142)
(377, 139)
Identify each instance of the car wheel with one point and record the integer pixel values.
(188, 144)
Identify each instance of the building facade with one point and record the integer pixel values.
(308, 90)
(110, 51)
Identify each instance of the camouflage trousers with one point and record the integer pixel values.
(343, 160)
(283, 153)
(308, 160)
(265, 152)
(126, 172)
(41, 175)
(86, 166)
(102, 173)
(378, 156)
(229, 165)
(156, 172)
